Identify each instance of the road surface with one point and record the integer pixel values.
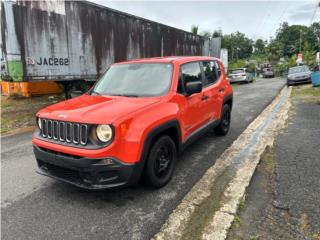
(282, 201)
(35, 207)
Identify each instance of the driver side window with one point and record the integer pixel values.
(189, 72)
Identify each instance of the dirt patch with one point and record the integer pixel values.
(19, 112)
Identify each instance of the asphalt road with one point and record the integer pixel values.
(35, 207)
(283, 197)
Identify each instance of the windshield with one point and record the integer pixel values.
(236, 71)
(135, 79)
(298, 69)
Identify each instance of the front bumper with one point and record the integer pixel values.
(298, 80)
(86, 173)
(237, 79)
(266, 75)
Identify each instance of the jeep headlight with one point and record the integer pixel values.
(104, 133)
(39, 121)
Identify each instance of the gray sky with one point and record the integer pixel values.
(257, 19)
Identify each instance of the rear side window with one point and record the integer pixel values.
(189, 72)
(210, 72)
(218, 69)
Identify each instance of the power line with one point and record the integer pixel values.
(262, 19)
(281, 16)
(314, 13)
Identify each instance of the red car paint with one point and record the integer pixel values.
(134, 118)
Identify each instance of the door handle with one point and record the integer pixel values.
(221, 90)
(204, 97)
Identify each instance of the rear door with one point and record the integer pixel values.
(211, 89)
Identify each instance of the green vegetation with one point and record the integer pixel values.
(254, 238)
(269, 157)
(281, 50)
(194, 29)
(316, 236)
(306, 91)
(237, 220)
(242, 204)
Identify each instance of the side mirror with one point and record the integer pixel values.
(193, 87)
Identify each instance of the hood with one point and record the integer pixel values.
(95, 109)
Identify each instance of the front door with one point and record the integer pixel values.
(192, 107)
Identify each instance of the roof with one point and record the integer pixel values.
(169, 59)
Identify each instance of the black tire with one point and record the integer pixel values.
(161, 162)
(223, 128)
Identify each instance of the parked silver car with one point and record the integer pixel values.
(299, 74)
(240, 75)
(267, 73)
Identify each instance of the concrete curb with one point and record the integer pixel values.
(243, 155)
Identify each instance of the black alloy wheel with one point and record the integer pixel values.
(161, 162)
(223, 128)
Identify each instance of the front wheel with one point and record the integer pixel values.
(161, 162)
(223, 128)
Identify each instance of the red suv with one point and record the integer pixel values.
(133, 122)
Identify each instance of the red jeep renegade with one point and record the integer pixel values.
(133, 122)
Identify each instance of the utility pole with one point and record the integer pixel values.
(300, 41)
(232, 50)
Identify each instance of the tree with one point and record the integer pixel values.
(217, 33)
(315, 28)
(194, 29)
(239, 46)
(292, 37)
(259, 46)
(206, 34)
(308, 55)
(274, 51)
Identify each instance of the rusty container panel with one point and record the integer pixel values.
(72, 40)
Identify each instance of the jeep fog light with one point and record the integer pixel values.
(106, 161)
(104, 133)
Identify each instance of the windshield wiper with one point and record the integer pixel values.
(125, 95)
(96, 93)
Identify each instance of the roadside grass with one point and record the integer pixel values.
(306, 93)
(315, 236)
(19, 112)
(269, 159)
(242, 203)
(237, 220)
(255, 238)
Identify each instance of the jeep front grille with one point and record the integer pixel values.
(68, 132)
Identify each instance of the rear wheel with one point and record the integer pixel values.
(161, 162)
(223, 128)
